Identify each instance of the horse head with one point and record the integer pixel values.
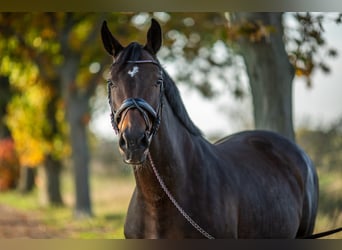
(135, 91)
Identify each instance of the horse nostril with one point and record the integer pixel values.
(128, 141)
(144, 140)
(123, 141)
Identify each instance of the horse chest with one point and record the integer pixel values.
(142, 220)
(156, 222)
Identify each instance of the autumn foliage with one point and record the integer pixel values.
(9, 165)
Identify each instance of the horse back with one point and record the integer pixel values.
(274, 177)
(260, 149)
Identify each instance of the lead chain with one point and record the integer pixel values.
(175, 203)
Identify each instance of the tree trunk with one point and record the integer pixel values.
(26, 180)
(5, 98)
(9, 160)
(270, 74)
(76, 112)
(77, 107)
(52, 165)
(80, 153)
(53, 169)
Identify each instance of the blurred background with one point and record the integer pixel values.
(61, 175)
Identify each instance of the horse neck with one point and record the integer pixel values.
(169, 150)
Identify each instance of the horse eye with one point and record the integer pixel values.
(159, 81)
(110, 83)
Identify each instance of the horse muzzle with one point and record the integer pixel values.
(138, 122)
(134, 147)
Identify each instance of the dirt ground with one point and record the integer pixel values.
(16, 224)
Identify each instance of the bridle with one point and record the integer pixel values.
(140, 104)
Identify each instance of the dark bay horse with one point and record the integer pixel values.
(253, 184)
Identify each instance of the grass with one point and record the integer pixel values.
(110, 197)
(330, 203)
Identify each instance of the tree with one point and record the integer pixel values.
(272, 56)
(272, 62)
(25, 61)
(269, 69)
(58, 49)
(80, 71)
(5, 97)
(9, 161)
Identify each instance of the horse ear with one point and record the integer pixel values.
(112, 45)
(154, 37)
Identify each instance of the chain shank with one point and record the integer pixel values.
(175, 203)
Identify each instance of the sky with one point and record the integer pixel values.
(323, 102)
(317, 106)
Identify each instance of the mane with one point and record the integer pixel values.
(133, 53)
(174, 99)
